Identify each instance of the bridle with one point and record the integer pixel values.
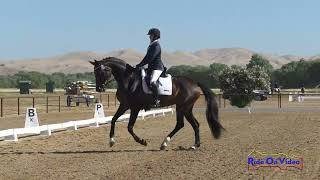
(103, 67)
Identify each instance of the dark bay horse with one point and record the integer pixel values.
(185, 93)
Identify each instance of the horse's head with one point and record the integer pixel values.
(127, 77)
(102, 74)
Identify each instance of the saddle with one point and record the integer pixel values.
(164, 83)
(148, 76)
(164, 73)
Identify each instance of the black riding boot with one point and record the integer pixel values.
(155, 93)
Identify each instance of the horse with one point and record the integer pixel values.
(185, 92)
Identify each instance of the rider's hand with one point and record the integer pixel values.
(138, 67)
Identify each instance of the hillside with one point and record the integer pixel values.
(76, 62)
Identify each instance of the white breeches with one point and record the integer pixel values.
(155, 75)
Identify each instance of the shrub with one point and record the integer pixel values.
(238, 83)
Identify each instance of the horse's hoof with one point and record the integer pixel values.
(194, 147)
(165, 143)
(162, 148)
(112, 142)
(144, 142)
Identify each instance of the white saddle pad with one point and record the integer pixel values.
(165, 84)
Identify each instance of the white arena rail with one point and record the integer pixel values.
(301, 97)
(14, 134)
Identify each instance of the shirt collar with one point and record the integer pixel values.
(154, 42)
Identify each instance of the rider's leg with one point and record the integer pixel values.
(155, 75)
(155, 94)
(154, 87)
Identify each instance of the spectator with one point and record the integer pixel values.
(302, 89)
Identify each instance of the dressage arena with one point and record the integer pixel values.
(85, 153)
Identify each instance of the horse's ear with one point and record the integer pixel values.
(93, 63)
(129, 68)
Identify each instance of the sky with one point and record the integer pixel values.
(43, 28)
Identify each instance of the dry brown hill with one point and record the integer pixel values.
(78, 61)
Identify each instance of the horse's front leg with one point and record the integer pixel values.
(132, 121)
(122, 109)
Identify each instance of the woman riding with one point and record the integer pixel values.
(155, 65)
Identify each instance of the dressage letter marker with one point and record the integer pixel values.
(98, 113)
(31, 118)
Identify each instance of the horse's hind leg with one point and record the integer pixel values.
(179, 125)
(195, 125)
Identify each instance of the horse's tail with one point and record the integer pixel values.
(212, 111)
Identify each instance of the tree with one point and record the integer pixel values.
(293, 74)
(181, 70)
(215, 70)
(238, 84)
(39, 80)
(313, 74)
(197, 73)
(257, 60)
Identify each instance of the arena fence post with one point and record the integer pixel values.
(1, 107)
(59, 99)
(280, 100)
(108, 100)
(18, 106)
(47, 104)
(33, 102)
(219, 100)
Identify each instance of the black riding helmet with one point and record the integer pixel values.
(155, 32)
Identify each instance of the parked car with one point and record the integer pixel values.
(260, 95)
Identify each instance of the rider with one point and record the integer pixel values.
(155, 65)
